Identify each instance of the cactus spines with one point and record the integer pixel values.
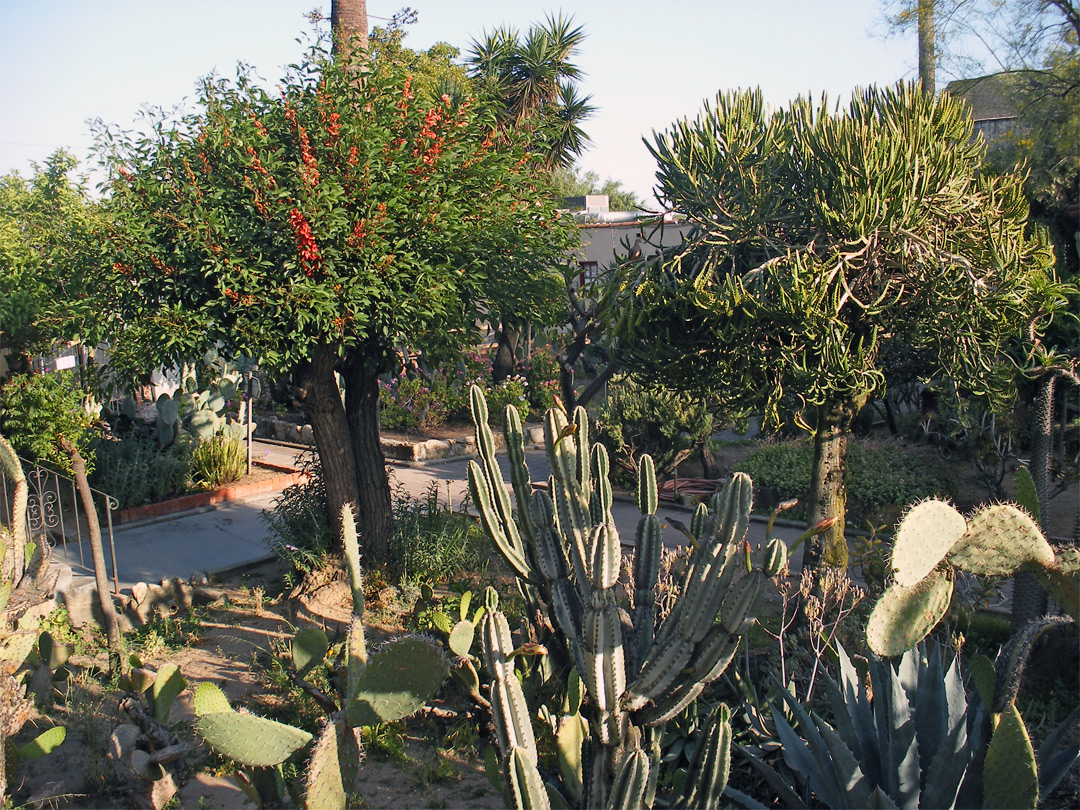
(1062, 581)
(209, 699)
(740, 600)
(606, 555)
(489, 517)
(646, 492)
(1000, 539)
(923, 538)
(605, 665)
(903, 616)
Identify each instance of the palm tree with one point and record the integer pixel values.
(532, 84)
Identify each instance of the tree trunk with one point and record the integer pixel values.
(927, 54)
(828, 492)
(101, 579)
(502, 366)
(317, 391)
(1029, 599)
(348, 20)
(375, 515)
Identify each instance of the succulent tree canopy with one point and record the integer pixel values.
(819, 235)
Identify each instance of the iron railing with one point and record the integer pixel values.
(55, 513)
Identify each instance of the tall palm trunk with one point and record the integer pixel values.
(348, 20)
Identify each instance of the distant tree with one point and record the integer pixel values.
(818, 235)
(531, 84)
(571, 182)
(50, 247)
(318, 227)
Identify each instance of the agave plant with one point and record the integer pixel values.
(911, 745)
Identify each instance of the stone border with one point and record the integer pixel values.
(419, 450)
(197, 500)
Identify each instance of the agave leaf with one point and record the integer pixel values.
(853, 784)
(946, 771)
(784, 793)
(824, 776)
(931, 710)
(1053, 766)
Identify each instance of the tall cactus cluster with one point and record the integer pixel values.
(393, 684)
(933, 539)
(565, 550)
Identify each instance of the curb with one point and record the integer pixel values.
(199, 500)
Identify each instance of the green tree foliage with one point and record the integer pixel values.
(570, 181)
(49, 247)
(317, 227)
(818, 235)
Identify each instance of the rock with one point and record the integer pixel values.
(307, 435)
(122, 742)
(199, 578)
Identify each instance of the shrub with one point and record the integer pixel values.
(431, 543)
(35, 411)
(637, 419)
(217, 460)
(510, 391)
(882, 477)
(135, 471)
(299, 524)
(542, 374)
(411, 404)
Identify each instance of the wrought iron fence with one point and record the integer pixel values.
(55, 513)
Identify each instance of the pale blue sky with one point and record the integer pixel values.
(647, 64)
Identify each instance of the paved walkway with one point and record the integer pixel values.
(233, 535)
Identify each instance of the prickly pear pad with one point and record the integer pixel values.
(398, 681)
(923, 538)
(903, 616)
(999, 540)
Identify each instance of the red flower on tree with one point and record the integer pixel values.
(310, 260)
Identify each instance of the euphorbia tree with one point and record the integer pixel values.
(317, 228)
(819, 236)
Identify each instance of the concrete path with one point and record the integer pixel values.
(233, 535)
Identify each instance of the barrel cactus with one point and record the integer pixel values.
(566, 552)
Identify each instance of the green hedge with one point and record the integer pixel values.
(882, 477)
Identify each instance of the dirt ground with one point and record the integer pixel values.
(232, 646)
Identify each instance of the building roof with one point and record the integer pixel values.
(990, 96)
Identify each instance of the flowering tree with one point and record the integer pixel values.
(318, 228)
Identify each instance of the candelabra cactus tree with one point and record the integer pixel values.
(565, 549)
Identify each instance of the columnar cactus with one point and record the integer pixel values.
(565, 549)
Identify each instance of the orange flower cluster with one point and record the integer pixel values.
(310, 260)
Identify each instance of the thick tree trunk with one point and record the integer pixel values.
(1029, 599)
(502, 365)
(828, 492)
(317, 391)
(927, 54)
(348, 20)
(101, 579)
(375, 515)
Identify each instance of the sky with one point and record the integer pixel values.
(647, 64)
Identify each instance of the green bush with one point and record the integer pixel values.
(217, 460)
(135, 471)
(882, 477)
(35, 411)
(637, 419)
(432, 544)
(542, 374)
(511, 391)
(299, 522)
